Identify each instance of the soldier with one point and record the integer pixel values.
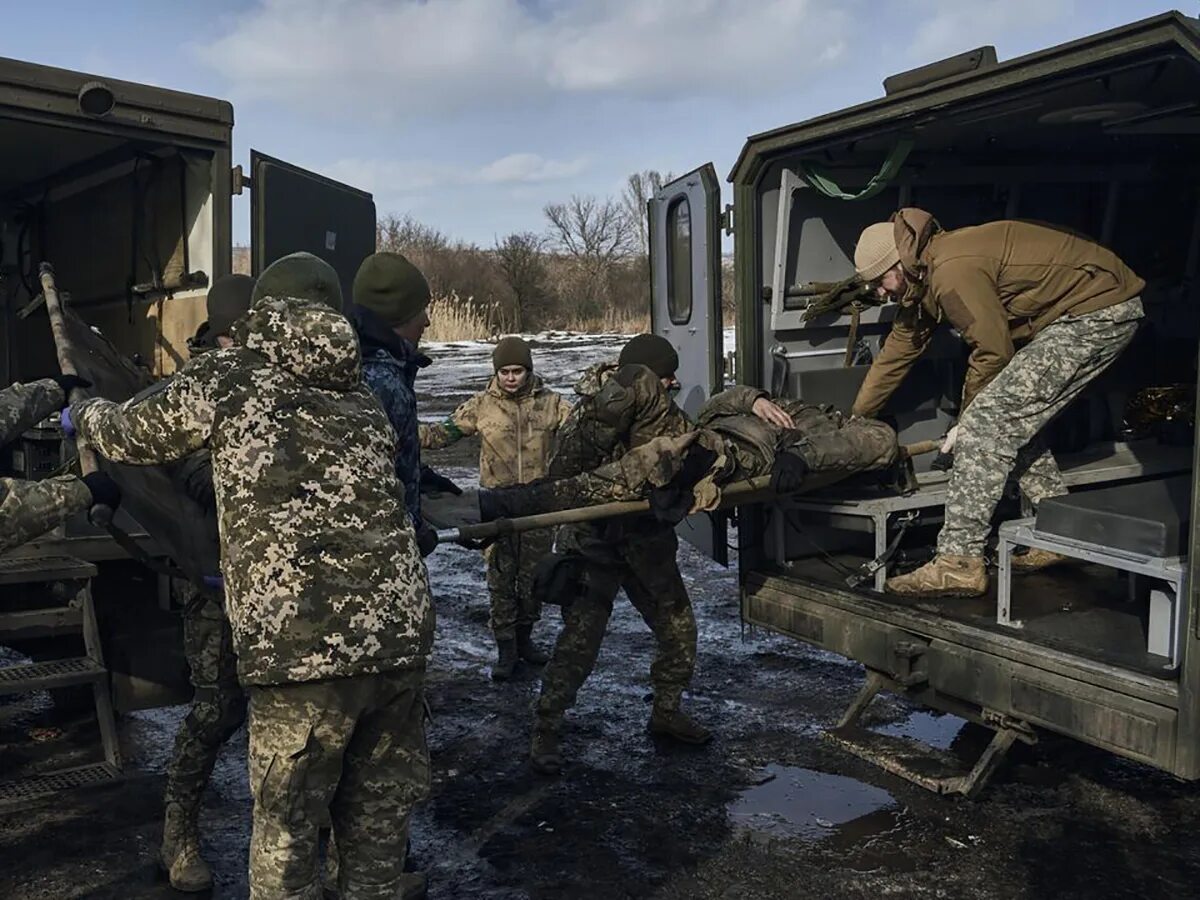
(218, 701)
(326, 591)
(29, 509)
(623, 407)
(1076, 306)
(516, 418)
(389, 314)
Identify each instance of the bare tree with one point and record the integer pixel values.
(521, 259)
(639, 188)
(593, 232)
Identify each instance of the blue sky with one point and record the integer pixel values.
(471, 115)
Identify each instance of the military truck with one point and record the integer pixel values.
(127, 189)
(1101, 135)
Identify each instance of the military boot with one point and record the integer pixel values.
(180, 851)
(944, 576)
(506, 660)
(677, 725)
(1034, 560)
(544, 753)
(527, 649)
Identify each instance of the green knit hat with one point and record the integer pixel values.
(300, 275)
(653, 352)
(391, 287)
(228, 300)
(512, 351)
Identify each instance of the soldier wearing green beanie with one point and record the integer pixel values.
(228, 300)
(389, 314)
(517, 418)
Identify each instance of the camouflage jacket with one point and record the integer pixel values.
(390, 366)
(516, 431)
(323, 578)
(828, 441)
(31, 508)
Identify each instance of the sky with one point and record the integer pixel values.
(472, 115)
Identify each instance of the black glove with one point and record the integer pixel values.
(943, 462)
(433, 483)
(104, 490)
(68, 383)
(787, 474)
(427, 540)
(196, 474)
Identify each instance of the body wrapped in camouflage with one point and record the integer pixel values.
(321, 571)
(29, 509)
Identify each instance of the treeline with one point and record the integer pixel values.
(588, 270)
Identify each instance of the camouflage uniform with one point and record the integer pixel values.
(327, 595)
(390, 365)
(620, 409)
(516, 437)
(998, 432)
(30, 509)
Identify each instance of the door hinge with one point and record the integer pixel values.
(239, 181)
(727, 219)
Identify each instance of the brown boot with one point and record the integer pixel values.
(180, 851)
(544, 753)
(527, 649)
(944, 576)
(506, 660)
(1034, 560)
(678, 725)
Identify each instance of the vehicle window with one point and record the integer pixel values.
(679, 261)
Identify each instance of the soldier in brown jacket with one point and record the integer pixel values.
(516, 418)
(1072, 305)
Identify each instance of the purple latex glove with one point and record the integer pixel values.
(214, 582)
(64, 419)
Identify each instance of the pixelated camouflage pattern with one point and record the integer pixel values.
(511, 561)
(516, 431)
(998, 433)
(350, 752)
(218, 702)
(30, 509)
(322, 574)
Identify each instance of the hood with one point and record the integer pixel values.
(593, 378)
(375, 334)
(306, 338)
(915, 228)
(533, 386)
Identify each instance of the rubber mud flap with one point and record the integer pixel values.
(1150, 518)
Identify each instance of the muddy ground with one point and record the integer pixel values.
(770, 809)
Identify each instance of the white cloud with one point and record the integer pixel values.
(948, 27)
(390, 176)
(391, 59)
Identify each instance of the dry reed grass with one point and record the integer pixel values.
(454, 318)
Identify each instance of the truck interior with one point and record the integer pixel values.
(1102, 137)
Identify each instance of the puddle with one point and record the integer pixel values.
(813, 805)
(935, 729)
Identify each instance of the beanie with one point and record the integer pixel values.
(512, 351)
(300, 275)
(228, 300)
(653, 352)
(391, 287)
(876, 251)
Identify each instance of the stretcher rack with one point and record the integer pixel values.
(1107, 464)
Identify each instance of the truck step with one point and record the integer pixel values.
(25, 790)
(56, 673)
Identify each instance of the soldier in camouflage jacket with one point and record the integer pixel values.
(326, 592)
(31, 508)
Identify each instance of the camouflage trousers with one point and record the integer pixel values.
(218, 702)
(999, 432)
(350, 752)
(644, 565)
(511, 561)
